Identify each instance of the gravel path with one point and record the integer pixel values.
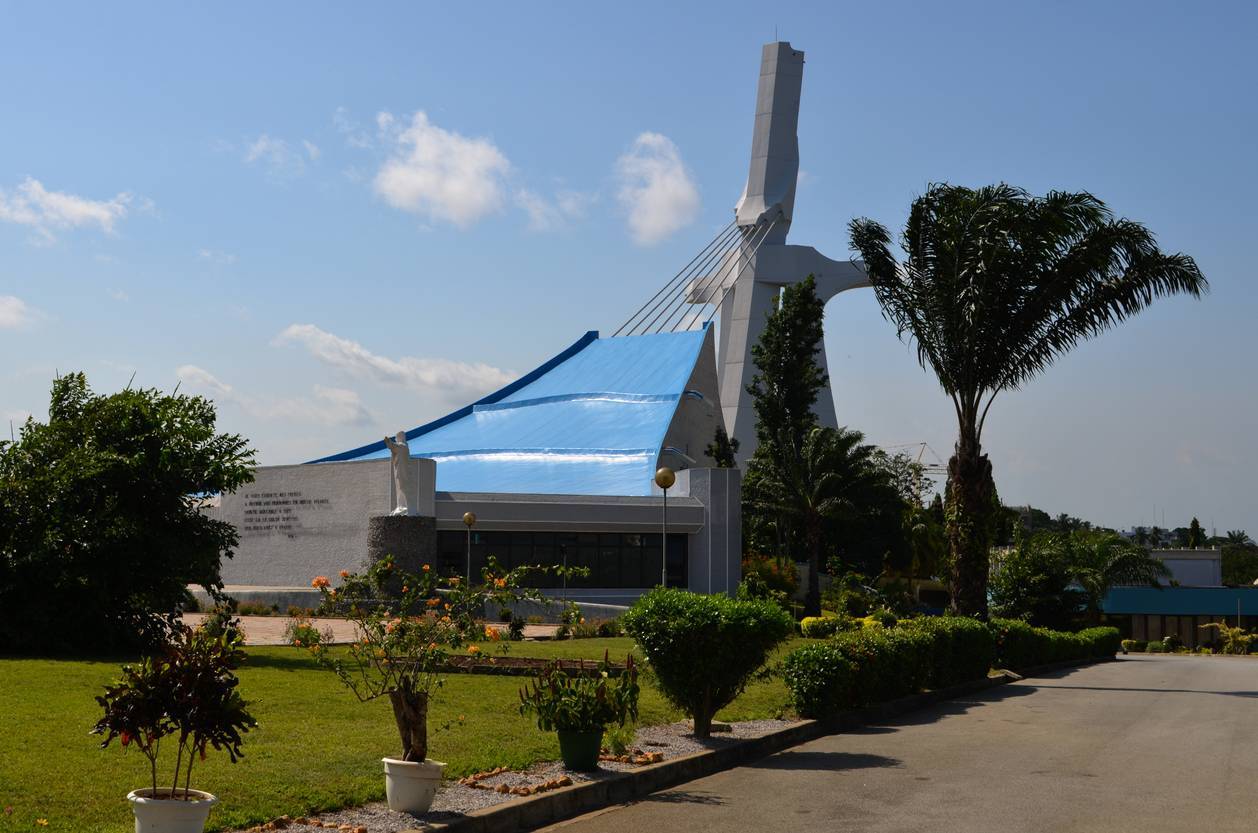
(672, 741)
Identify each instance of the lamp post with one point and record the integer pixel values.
(469, 519)
(664, 478)
(563, 552)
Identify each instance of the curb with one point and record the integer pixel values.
(531, 812)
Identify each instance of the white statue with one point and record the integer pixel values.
(405, 475)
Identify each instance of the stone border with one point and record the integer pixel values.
(531, 812)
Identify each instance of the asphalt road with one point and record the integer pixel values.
(1148, 743)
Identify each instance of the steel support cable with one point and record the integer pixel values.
(711, 258)
(720, 234)
(718, 278)
(729, 288)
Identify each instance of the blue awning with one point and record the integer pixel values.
(1183, 601)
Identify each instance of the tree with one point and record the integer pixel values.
(1239, 538)
(1033, 581)
(723, 449)
(1103, 560)
(788, 377)
(1196, 537)
(783, 391)
(831, 479)
(995, 286)
(101, 522)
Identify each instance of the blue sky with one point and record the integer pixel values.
(340, 220)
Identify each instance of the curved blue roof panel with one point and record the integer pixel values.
(590, 421)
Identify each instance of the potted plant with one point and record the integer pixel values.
(580, 705)
(407, 624)
(185, 690)
(405, 632)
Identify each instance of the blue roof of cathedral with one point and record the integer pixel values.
(591, 421)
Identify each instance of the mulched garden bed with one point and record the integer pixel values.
(652, 744)
(523, 666)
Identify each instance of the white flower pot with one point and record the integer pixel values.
(409, 785)
(158, 813)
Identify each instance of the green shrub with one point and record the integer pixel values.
(1133, 646)
(820, 627)
(1019, 645)
(820, 678)
(961, 648)
(873, 665)
(1155, 648)
(1172, 642)
(1102, 642)
(704, 649)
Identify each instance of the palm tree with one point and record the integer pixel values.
(1104, 560)
(1238, 538)
(996, 285)
(830, 479)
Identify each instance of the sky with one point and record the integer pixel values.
(339, 220)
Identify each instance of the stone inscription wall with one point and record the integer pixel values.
(283, 513)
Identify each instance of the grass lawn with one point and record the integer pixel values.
(315, 748)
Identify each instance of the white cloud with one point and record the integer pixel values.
(548, 215)
(355, 135)
(213, 256)
(328, 406)
(119, 295)
(14, 313)
(455, 382)
(656, 190)
(280, 158)
(31, 204)
(439, 174)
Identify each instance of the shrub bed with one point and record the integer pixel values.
(1020, 645)
(1134, 646)
(872, 665)
(876, 664)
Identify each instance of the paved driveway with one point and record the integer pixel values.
(1149, 743)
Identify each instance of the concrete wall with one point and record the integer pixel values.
(1193, 568)
(296, 522)
(716, 551)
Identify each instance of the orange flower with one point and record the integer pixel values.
(426, 568)
(434, 602)
(475, 649)
(454, 580)
(344, 573)
(320, 582)
(432, 646)
(404, 588)
(502, 582)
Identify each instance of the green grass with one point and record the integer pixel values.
(315, 748)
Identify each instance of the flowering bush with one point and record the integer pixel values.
(186, 689)
(407, 625)
(403, 642)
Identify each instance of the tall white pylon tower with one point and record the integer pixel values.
(741, 272)
(769, 198)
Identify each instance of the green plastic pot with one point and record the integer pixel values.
(579, 750)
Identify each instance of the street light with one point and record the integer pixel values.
(664, 478)
(469, 519)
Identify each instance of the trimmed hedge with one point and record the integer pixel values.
(820, 627)
(1135, 646)
(704, 649)
(873, 665)
(1020, 645)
